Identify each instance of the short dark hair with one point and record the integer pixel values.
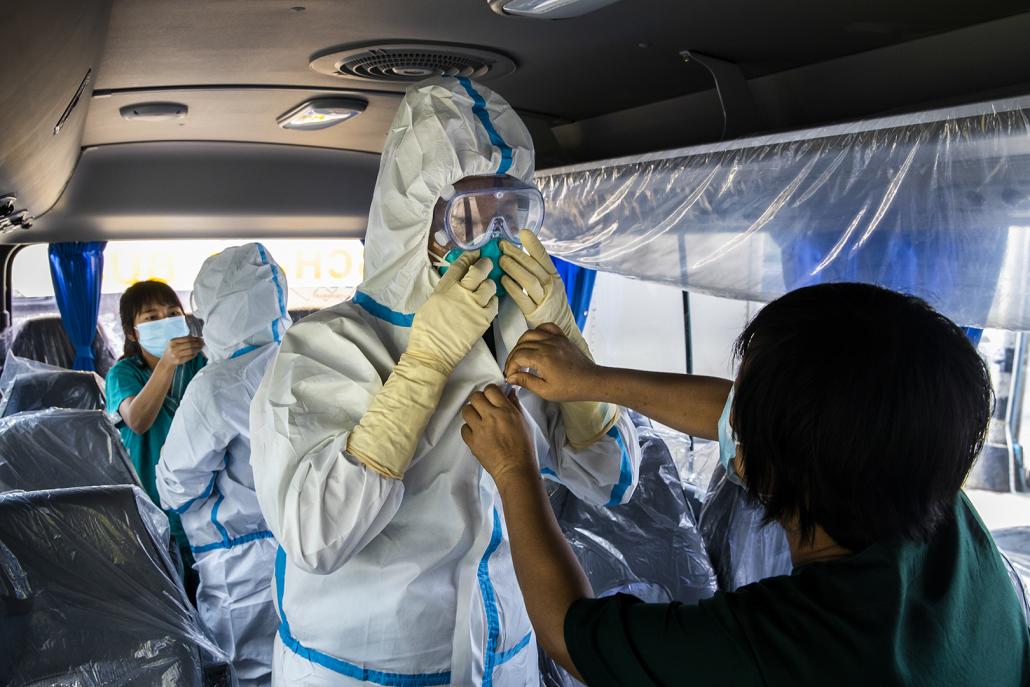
(860, 410)
(135, 299)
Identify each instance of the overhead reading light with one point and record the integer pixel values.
(322, 113)
(154, 112)
(548, 9)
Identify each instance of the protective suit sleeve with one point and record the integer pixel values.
(443, 332)
(385, 439)
(193, 453)
(603, 473)
(322, 504)
(536, 287)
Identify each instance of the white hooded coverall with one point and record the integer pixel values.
(204, 472)
(407, 582)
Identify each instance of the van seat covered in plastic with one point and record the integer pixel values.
(299, 314)
(60, 448)
(88, 596)
(1014, 545)
(651, 546)
(44, 339)
(53, 389)
(741, 548)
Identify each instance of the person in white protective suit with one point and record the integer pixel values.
(394, 567)
(204, 473)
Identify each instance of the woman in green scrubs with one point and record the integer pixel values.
(854, 420)
(145, 386)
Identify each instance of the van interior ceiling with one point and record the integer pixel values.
(628, 78)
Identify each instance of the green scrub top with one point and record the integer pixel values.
(942, 612)
(125, 380)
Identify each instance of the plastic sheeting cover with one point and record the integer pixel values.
(15, 365)
(57, 449)
(742, 550)
(45, 340)
(651, 541)
(1014, 545)
(936, 204)
(696, 460)
(650, 547)
(88, 597)
(29, 385)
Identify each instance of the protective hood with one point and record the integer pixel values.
(240, 294)
(445, 129)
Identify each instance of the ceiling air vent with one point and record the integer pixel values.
(409, 62)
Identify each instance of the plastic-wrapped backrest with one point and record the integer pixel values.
(1014, 545)
(85, 576)
(15, 366)
(59, 448)
(741, 548)
(650, 547)
(1018, 586)
(45, 340)
(299, 314)
(43, 390)
(652, 542)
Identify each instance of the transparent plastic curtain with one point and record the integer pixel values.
(936, 204)
(76, 270)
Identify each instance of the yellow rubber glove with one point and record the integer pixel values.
(534, 284)
(455, 317)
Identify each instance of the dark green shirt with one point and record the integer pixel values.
(127, 379)
(936, 613)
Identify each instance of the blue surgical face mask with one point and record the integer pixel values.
(491, 250)
(154, 336)
(728, 443)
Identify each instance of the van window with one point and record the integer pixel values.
(646, 326)
(32, 291)
(319, 272)
(636, 324)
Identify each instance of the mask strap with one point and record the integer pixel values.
(439, 261)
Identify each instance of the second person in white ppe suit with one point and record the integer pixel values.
(204, 473)
(394, 566)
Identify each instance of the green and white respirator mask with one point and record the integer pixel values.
(482, 218)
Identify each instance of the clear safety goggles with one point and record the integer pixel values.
(474, 218)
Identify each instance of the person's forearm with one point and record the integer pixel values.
(140, 412)
(388, 433)
(549, 575)
(691, 404)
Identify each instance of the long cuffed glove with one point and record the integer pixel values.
(455, 317)
(536, 287)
